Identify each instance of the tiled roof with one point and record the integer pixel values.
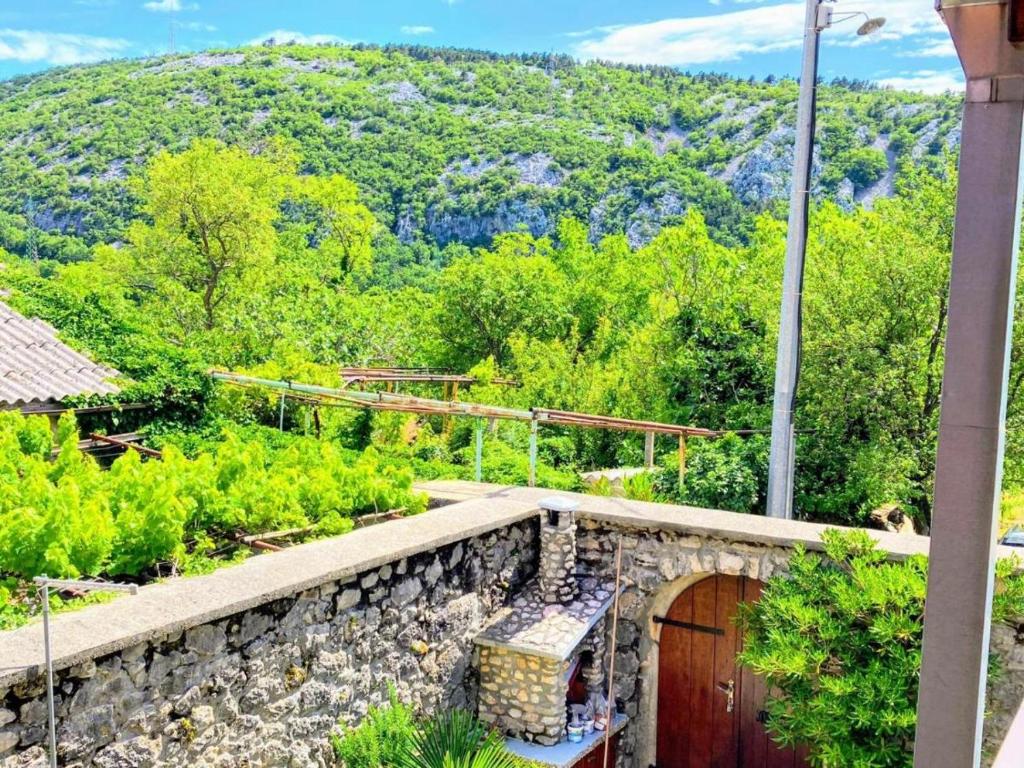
(36, 367)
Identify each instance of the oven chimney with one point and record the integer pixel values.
(557, 577)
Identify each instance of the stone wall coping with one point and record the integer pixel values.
(696, 521)
(180, 604)
(476, 509)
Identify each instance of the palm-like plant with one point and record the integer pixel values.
(456, 739)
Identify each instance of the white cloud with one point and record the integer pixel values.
(595, 30)
(700, 39)
(287, 36)
(57, 47)
(416, 29)
(195, 26)
(731, 34)
(930, 48)
(926, 81)
(169, 6)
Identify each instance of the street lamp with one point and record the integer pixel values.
(819, 16)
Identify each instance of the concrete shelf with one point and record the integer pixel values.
(565, 754)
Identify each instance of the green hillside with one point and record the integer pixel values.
(449, 145)
(611, 238)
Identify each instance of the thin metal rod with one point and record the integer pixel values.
(44, 583)
(532, 480)
(111, 440)
(968, 467)
(280, 415)
(50, 708)
(787, 361)
(611, 661)
(682, 461)
(479, 462)
(411, 404)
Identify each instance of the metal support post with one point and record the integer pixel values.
(50, 709)
(532, 481)
(968, 470)
(787, 361)
(649, 450)
(280, 414)
(478, 473)
(44, 583)
(682, 461)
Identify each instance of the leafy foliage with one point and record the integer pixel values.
(839, 642)
(381, 740)
(444, 145)
(391, 737)
(69, 518)
(456, 739)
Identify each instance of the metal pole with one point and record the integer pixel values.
(648, 450)
(478, 474)
(44, 583)
(532, 481)
(682, 461)
(50, 709)
(968, 469)
(611, 661)
(787, 361)
(280, 415)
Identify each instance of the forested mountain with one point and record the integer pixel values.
(610, 237)
(449, 145)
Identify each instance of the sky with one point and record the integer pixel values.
(739, 37)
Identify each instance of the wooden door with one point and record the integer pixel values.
(708, 706)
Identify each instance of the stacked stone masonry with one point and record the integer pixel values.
(523, 695)
(265, 687)
(557, 566)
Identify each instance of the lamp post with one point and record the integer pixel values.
(819, 16)
(968, 467)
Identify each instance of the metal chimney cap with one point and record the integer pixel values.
(558, 504)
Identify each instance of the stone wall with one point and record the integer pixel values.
(658, 563)
(523, 695)
(654, 559)
(265, 686)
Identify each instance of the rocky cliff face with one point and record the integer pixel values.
(453, 145)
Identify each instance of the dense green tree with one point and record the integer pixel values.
(484, 299)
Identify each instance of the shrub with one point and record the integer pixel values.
(68, 518)
(839, 642)
(382, 738)
(456, 739)
(390, 737)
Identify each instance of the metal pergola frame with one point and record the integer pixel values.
(389, 401)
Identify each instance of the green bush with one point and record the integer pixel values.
(67, 517)
(391, 737)
(839, 642)
(720, 474)
(383, 738)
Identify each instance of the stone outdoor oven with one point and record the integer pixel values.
(552, 634)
